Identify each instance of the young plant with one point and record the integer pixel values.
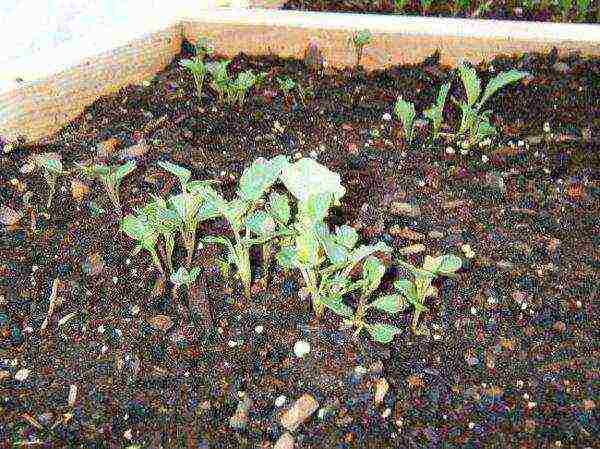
(417, 290)
(565, 7)
(359, 40)
(139, 228)
(165, 222)
(187, 207)
(183, 277)
(324, 260)
(474, 121)
(405, 111)
(461, 5)
(111, 177)
(221, 80)
(426, 5)
(249, 225)
(181, 173)
(399, 5)
(51, 164)
(372, 272)
(244, 81)
(583, 6)
(436, 112)
(196, 65)
(304, 93)
(286, 84)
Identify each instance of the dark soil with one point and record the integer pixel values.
(512, 356)
(498, 9)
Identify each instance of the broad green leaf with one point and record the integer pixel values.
(449, 263)
(417, 304)
(346, 235)
(431, 264)
(407, 288)
(279, 207)
(442, 94)
(390, 303)
(373, 271)
(307, 246)
(50, 162)
(186, 205)
(336, 253)
(317, 206)
(499, 82)
(405, 110)
(194, 272)
(307, 177)
(246, 79)
(182, 173)
(366, 250)
(382, 333)
(337, 306)
(137, 227)
(259, 177)
(180, 277)
(485, 129)
(471, 82)
(260, 223)
(287, 257)
(121, 171)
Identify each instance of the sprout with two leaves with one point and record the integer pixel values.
(436, 112)
(111, 177)
(51, 164)
(372, 273)
(139, 227)
(196, 65)
(286, 84)
(221, 81)
(405, 111)
(250, 226)
(324, 259)
(474, 121)
(417, 290)
(359, 40)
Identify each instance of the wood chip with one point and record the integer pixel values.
(79, 189)
(72, 395)
(381, 388)
(412, 249)
(9, 217)
(406, 233)
(285, 441)
(134, 151)
(53, 297)
(301, 410)
(415, 381)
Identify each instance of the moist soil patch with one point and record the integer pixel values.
(510, 358)
(479, 9)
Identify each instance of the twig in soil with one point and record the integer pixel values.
(53, 297)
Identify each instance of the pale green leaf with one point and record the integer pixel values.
(499, 81)
(346, 235)
(306, 177)
(287, 257)
(405, 111)
(382, 333)
(260, 223)
(279, 207)
(390, 303)
(471, 82)
(337, 306)
(259, 177)
(373, 271)
(182, 173)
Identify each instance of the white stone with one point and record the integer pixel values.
(301, 348)
(259, 329)
(280, 401)
(101, 329)
(450, 150)
(473, 311)
(22, 374)
(484, 159)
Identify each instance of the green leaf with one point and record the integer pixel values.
(449, 263)
(124, 170)
(317, 206)
(307, 247)
(366, 250)
(182, 173)
(287, 257)
(50, 162)
(346, 235)
(337, 306)
(180, 277)
(471, 82)
(279, 207)
(382, 333)
(259, 177)
(306, 177)
(373, 271)
(186, 205)
(390, 303)
(260, 223)
(499, 82)
(405, 110)
(336, 253)
(407, 288)
(138, 228)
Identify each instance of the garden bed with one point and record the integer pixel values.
(507, 357)
(544, 11)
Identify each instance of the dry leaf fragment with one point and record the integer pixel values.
(72, 395)
(79, 189)
(9, 217)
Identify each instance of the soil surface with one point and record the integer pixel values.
(498, 9)
(511, 359)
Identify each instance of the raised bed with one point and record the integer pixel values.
(97, 353)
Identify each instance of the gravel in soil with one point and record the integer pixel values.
(480, 9)
(511, 356)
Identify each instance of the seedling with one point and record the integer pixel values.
(324, 260)
(187, 207)
(249, 225)
(475, 122)
(245, 80)
(221, 80)
(483, 8)
(436, 112)
(183, 277)
(461, 5)
(426, 5)
(304, 93)
(565, 7)
(111, 177)
(359, 40)
(196, 65)
(181, 173)
(405, 111)
(51, 164)
(286, 84)
(139, 228)
(583, 6)
(372, 272)
(165, 223)
(400, 4)
(417, 290)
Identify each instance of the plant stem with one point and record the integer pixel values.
(170, 246)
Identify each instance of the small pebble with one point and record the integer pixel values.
(22, 374)
(387, 117)
(280, 401)
(450, 150)
(301, 348)
(301, 410)
(259, 329)
(484, 159)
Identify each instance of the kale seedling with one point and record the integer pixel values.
(325, 260)
(244, 81)
(51, 164)
(249, 225)
(165, 222)
(426, 5)
(475, 122)
(183, 277)
(436, 112)
(399, 5)
(196, 65)
(359, 40)
(405, 111)
(111, 177)
(221, 81)
(583, 6)
(139, 228)
(417, 290)
(372, 272)
(286, 84)
(304, 93)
